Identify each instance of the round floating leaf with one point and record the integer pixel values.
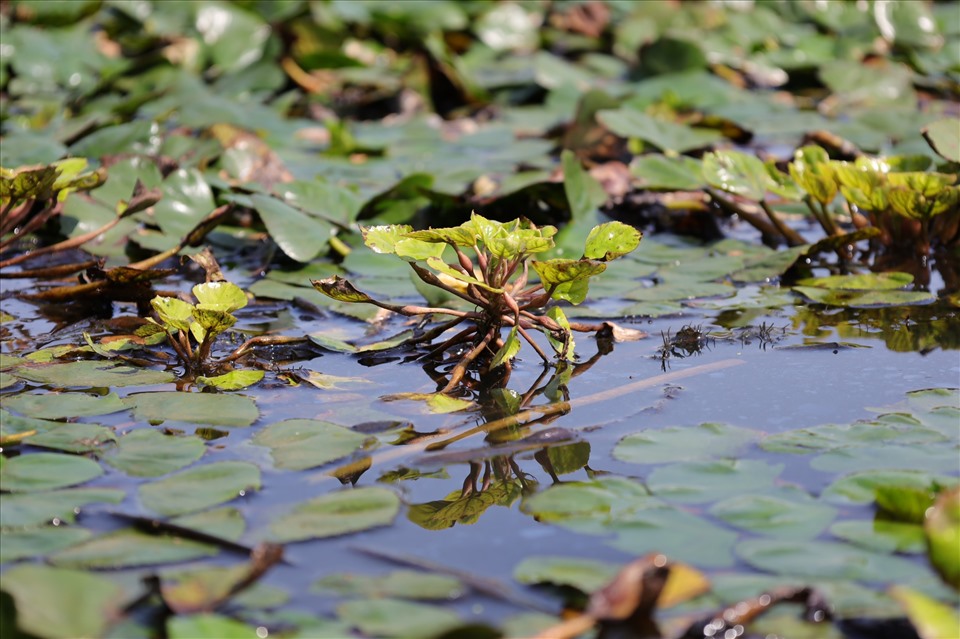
(944, 136)
(864, 299)
(678, 534)
(403, 584)
(298, 444)
(45, 471)
(91, 373)
(862, 282)
(234, 380)
(208, 626)
(337, 514)
(588, 504)
(738, 173)
(676, 443)
(775, 516)
(38, 542)
(664, 134)
(395, 618)
(702, 482)
(824, 560)
(227, 523)
(201, 487)
(584, 193)
(194, 408)
(72, 437)
(340, 289)
(297, 234)
(611, 240)
(84, 606)
(148, 453)
(129, 548)
(881, 535)
(34, 509)
(587, 575)
(61, 405)
(930, 457)
(862, 487)
(656, 171)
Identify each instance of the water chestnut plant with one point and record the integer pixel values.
(204, 321)
(492, 269)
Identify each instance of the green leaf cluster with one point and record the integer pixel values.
(492, 273)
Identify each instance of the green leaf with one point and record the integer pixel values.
(611, 240)
(200, 487)
(811, 169)
(703, 482)
(234, 37)
(457, 508)
(584, 193)
(175, 314)
(384, 238)
(508, 351)
(587, 575)
(187, 199)
(91, 374)
(905, 503)
(944, 137)
(336, 514)
(564, 348)
(942, 527)
(210, 323)
(861, 487)
(660, 172)
(881, 535)
(558, 272)
(675, 443)
(149, 453)
(39, 542)
(798, 517)
(823, 560)
(130, 548)
(34, 509)
(220, 296)
(61, 405)
(395, 618)
(234, 380)
(70, 437)
(226, 522)
(85, 603)
(629, 122)
(442, 267)
(46, 471)
(931, 618)
(462, 235)
(194, 408)
(298, 444)
(862, 282)
(738, 173)
(208, 625)
(402, 584)
(864, 299)
(298, 235)
(438, 403)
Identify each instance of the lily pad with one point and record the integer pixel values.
(201, 487)
(401, 584)
(861, 487)
(34, 509)
(73, 437)
(336, 514)
(396, 618)
(226, 523)
(703, 482)
(38, 542)
(60, 405)
(676, 443)
(881, 535)
(194, 408)
(148, 453)
(298, 444)
(824, 560)
(91, 373)
(86, 603)
(208, 625)
(587, 575)
(664, 134)
(773, 515)
(129, 548)
(46, 471)
(234, 380)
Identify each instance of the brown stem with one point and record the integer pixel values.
(532, 343)
(459, 338)
(456, 375)
(433, 280)
(768, 231)
(793, 238)
(261, 340)
(73, 242)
